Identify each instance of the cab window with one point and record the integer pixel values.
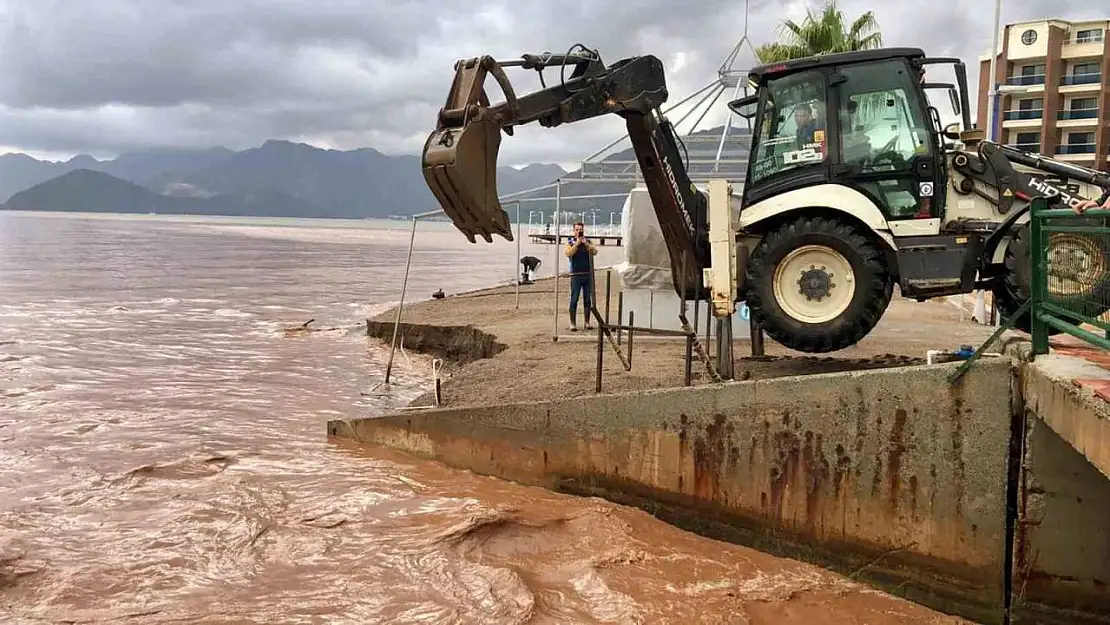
(882, 122)
(791, 130)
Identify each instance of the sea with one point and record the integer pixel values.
(163, 454)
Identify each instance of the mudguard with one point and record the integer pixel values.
(832, 196)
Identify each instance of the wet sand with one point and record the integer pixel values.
(531, 366)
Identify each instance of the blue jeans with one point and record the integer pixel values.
(580, 285)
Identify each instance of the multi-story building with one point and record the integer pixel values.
(1054, 90)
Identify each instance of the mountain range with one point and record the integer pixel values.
(287, 179)
(277, 179)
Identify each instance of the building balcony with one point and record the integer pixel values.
(1077, 118)
(1025, 81)
(1087, 47)
(1078, 114)
(1071, 80)
(1075, 149)
(1086, 39)
(1020, 114)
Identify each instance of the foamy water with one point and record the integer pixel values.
(163, 454)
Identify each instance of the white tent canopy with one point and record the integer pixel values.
(646, 263)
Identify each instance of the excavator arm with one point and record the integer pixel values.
(460, 155)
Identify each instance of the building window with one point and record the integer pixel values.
(1083, 104)
(1089, 35)
(1081, 138)
(1032, 70)
(1028, 141)
(1031, 104)
(1085, 69)
(1029, 37)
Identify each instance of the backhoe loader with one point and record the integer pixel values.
(853, 185)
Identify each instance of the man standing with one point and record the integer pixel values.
(580, 252)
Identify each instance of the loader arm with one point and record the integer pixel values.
(460, 155)
(993, 167)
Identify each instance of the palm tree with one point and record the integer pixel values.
(826, 32)
(820, 33)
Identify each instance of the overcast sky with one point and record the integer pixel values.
(107, 76)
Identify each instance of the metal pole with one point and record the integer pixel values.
(992, 96)
(757, 336)
(631, 324)
(687, 365)
(694, 326)
(708, 320)
(724, 132)
(401, 304)
(518, 255)
(558, 246)
(601, 327)
(620, 314)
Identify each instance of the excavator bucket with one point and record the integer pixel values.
(460, 157)
(460, 167)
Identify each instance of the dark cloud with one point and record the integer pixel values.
(118, 75)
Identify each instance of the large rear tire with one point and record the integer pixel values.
(818, 284)
(1083, 259)
(1014, 288)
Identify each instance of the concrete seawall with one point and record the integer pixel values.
(1062, 544)
(891, 475)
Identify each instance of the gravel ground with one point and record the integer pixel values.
(534, 367)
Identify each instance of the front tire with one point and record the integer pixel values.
(818, 284)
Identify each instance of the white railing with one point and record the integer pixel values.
(1077, 40)
(592, 232)
(539, 224)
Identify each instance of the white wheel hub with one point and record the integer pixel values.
(814, 284)
(1076, 264)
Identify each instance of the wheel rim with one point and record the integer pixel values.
(1076, 265)
(814, 284)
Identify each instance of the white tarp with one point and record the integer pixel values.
(646, 263)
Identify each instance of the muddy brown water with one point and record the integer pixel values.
(163, 455)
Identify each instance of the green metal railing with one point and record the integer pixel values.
(1070, 278)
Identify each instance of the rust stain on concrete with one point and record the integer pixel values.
(894, 457)
(709, 458)
(956, 456)
(816, 468)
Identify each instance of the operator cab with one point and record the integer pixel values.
(857, 119)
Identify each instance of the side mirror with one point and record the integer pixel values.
(954, 98)
(745, 107)
(952, 131)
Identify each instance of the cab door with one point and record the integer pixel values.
(885, 143)
(790, 147)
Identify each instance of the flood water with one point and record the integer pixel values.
(163, 456)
